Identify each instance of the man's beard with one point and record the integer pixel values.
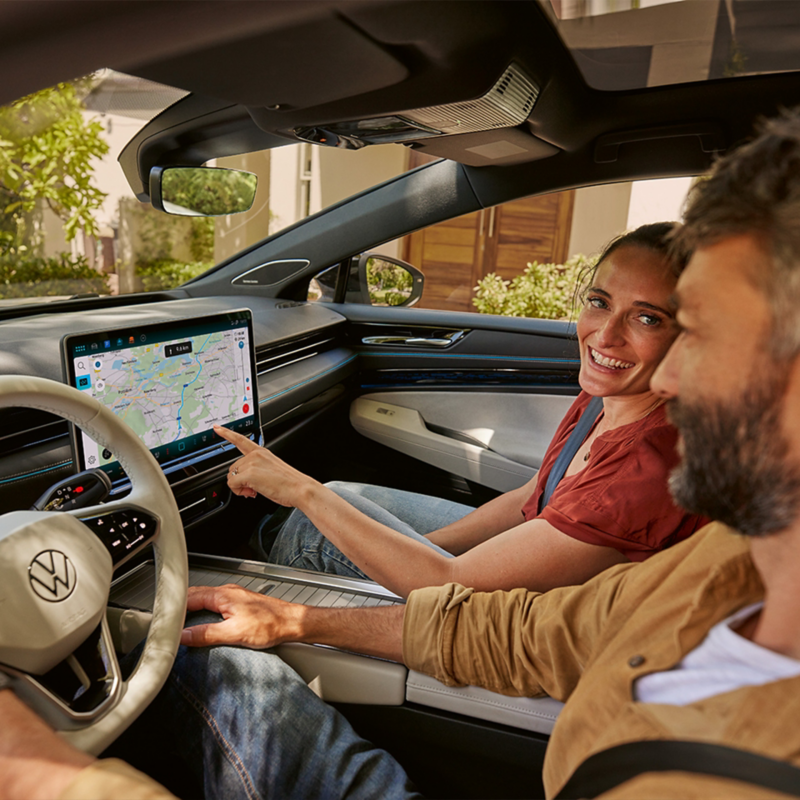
(735, 464)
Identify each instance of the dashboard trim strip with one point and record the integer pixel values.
(25, 476)
(307, 380)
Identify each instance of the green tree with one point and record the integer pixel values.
(46, 152)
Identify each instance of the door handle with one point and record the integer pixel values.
(417, 341)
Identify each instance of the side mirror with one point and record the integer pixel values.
(384, 281)
(201, 191)
(372, 280)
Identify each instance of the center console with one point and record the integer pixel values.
(334, 675)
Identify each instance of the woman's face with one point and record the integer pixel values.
(627, 323)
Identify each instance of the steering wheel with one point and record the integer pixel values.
(55, 576)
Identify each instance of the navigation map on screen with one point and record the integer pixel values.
(169, 383)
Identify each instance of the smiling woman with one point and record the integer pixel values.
(609, 460)
(627, 323)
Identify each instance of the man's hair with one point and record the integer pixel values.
(756, 190)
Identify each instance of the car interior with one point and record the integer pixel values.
(499, 101)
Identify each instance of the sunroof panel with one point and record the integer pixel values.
(634, 44)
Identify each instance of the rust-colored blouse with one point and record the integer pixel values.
(620, 499)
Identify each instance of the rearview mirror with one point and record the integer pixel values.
(201, 191)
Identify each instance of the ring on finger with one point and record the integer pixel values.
(235, 471)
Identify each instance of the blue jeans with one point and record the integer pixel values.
(247, 726)
(300, 544)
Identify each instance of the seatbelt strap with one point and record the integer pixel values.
(609, 768)
(574, 441)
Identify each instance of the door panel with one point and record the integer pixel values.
(495, 439)
(483, 408)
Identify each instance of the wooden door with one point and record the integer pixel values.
(449, 254)
(454, 255)
(530, 229)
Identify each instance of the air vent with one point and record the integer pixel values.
(24, 427)
(276, 356)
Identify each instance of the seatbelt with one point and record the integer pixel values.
(574, 441)
(609, 768)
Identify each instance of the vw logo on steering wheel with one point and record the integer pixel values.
(52, 576)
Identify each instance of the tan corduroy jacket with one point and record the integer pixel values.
(586, 645)
(112, 779)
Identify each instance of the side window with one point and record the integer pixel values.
(523, 258)
(470, 262)
(520, 259)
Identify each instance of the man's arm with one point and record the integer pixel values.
(256, 621)
(37, 764)
(516, 642)
(34, 761)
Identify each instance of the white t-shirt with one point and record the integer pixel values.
(722, 662)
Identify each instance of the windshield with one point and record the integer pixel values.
(71, 226)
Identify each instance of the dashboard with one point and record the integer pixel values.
(298, 351)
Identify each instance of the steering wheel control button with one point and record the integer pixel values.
(635, 661)
(52, 576)
(123, 532)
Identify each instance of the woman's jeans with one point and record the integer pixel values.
(300, 544)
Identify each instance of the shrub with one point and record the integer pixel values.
(544, 291)
(23, 275)
(165, 273)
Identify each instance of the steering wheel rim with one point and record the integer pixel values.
(151, 492)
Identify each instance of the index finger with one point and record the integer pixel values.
(244, 444)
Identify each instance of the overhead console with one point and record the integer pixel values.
(507, 103)
(371, 73)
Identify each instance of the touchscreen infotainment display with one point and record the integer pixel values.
(170, 382)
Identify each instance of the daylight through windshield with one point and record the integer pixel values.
(70, 225)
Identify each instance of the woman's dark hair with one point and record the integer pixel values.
(658, 237)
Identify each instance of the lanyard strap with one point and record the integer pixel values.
(579, 433)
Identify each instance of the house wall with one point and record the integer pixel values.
(599, 212)
(298, 180)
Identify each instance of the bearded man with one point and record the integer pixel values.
(701, 643)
